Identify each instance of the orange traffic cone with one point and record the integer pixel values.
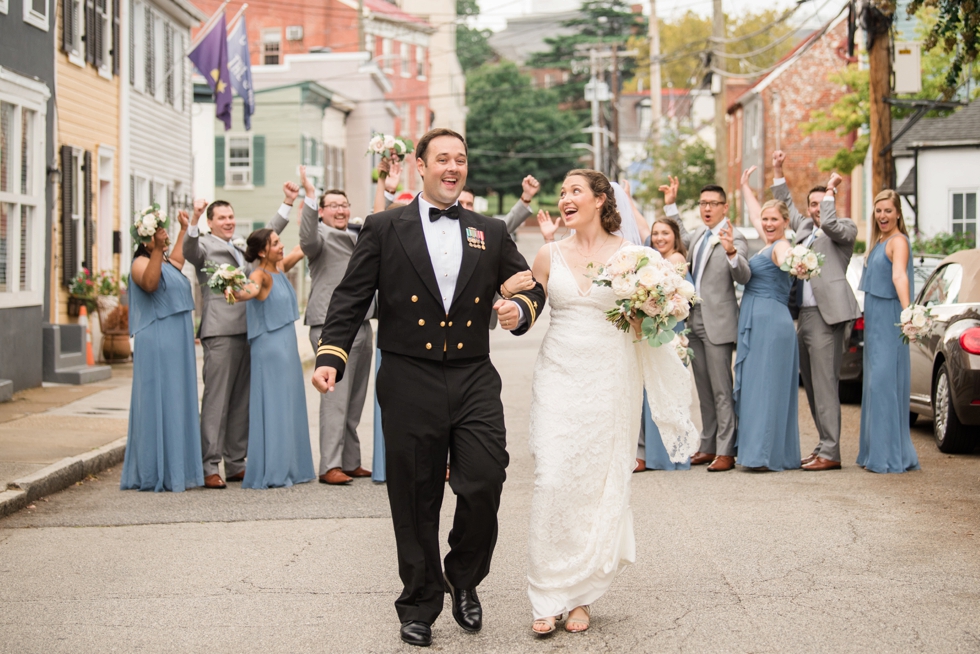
(83, 320)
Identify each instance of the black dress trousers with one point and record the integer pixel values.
(428, 409)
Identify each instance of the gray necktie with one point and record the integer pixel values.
(700, 253)
(235, 252)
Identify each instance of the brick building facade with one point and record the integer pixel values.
(769, 116)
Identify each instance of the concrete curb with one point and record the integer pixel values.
(59, 476)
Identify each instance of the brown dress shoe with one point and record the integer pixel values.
(239, 477)
(821, 463)
(722, 463)
(214, 481)
(335, 477)
(357, 472)
(641, 465)
(808, 459)
(700, 458)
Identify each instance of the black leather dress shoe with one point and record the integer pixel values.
(466, 607)
(416, 633)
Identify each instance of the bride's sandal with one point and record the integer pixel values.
(578, 625)
(548, 625)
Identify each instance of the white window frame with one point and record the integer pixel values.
(420, 68)
(32, 17)
(370, 45)
(77, 54)
(245, 184)
(78, 206)
(404, 59)
(420, 112)
(106, 156)
(270, 37)
(386, 65)
(137, 36)
(976, 218)
(105, 70)
(159, 92)
(29, 94)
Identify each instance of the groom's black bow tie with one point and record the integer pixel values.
(450, 212)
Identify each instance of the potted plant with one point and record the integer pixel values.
(81, 291)
(113, 316)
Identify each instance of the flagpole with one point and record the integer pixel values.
(235, 18)
(207, 26)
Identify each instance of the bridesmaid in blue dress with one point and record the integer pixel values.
(885, 443)
(665, 237)
(767, 360)
(279, 452)
(163, 446)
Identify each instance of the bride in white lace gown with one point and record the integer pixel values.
(585, 417)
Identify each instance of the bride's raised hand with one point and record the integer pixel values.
(547, 225)
(522, 281)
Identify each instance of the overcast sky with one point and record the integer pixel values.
(495, 12)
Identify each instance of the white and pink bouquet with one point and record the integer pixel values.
(147, 222)
(225, 278)
(802, 262)
(916, 320)
(389, 146)
(649, 288)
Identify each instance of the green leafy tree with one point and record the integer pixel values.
(851, 112)
(684, 156)
(956, 32)
(472, 47)
(514, 130)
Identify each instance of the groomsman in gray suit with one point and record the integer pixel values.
(825, 304)
(717, 254)
(517, 216)
(328, 246)
(223, 334)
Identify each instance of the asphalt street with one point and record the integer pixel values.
(797, 561)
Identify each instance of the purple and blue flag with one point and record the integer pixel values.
(211, 58)
(240, 68)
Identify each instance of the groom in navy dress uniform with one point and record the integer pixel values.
(436, 268)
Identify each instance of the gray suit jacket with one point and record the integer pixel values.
(835, 298)
(218, 318)
(519, 213)
(328, 252)
(719, 306)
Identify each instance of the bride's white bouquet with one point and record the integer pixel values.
(387, 145)
(802, 262)
(916, 320)
(225, 278)
(650, 289)
(147, 222)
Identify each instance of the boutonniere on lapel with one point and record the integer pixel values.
(475, 238)
(713, 241)
(790, 235)
(239, 242)
(819, 233)
(357, 220)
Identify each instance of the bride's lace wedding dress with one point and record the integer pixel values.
(587, 394)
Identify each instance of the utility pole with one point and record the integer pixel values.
(614, 116)
(594, 82)
(878, 23)
(655, 81)
(718, 88)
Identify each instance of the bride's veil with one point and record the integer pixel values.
(628, 228)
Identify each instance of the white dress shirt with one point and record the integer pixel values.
(671, 210)
(445, 243)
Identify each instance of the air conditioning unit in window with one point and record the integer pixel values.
(294, 33)
(241, 178)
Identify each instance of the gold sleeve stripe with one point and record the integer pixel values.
(529, 304)
(332, 349)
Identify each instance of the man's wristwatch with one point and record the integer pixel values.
(525, 201)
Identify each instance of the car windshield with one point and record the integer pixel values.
(922, 268)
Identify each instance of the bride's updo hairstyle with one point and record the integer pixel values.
(257, 241)
(608, 214)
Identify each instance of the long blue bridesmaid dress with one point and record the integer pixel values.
(767, 371)
(279, 452)
(656, 454)
(885, 443)
(163, 445)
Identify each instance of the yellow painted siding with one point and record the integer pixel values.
(88, 116)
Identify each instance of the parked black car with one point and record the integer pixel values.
(852, 363)
(946, 362)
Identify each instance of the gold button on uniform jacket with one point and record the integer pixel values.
(391, 257)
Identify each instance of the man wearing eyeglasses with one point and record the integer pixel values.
(718, 257)
(328, 244)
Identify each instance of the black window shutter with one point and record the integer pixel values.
(219, 161)
(168, 58)
(67, 26)
(150, 58)
(98, 47)
(258, 160)
(87, 211)
(115, 38)
(68, 263)
(90, 36)
(132, 43)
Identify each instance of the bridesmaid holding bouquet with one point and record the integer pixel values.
(163, 446)
(279, 452)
